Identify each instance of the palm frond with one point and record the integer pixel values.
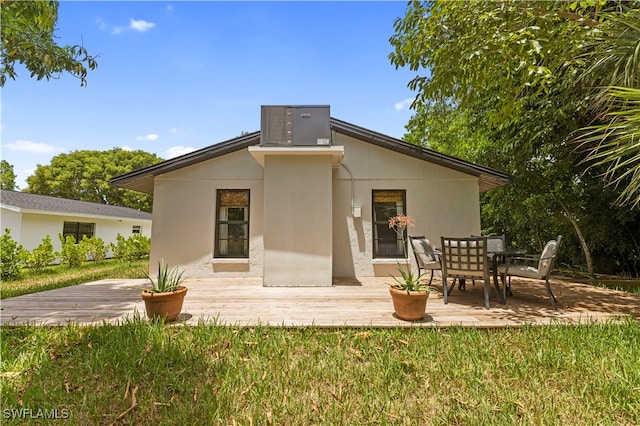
(615, 144)
(615, 50)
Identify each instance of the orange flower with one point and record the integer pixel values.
(402, 222)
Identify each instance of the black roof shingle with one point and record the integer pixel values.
(45, 203)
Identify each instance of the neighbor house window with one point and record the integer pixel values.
(232, 223)
(78, 229)
(137, 229)
(386, 204)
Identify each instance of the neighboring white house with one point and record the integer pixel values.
(305, 200)
(31, 217)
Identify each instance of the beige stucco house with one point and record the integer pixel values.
(305, 200)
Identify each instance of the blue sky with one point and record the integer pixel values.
(178, 76)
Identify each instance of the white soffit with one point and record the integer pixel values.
(336, 153)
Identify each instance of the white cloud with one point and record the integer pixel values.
(149, 137)
(102, 25)
(141, 25)
(406, 103)
(176, 151)
(126, 148)
(174, 130)
(134, 24)
(33, 147)
(169, 9)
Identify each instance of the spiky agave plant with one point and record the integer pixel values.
(410, 281)
(167, 280)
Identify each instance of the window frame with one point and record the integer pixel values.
(78, 233)
(217, 240)
(376, 222)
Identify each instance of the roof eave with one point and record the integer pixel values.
(141, 180)
(488, 178)
(85, 215)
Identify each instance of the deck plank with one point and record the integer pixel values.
(351, 303)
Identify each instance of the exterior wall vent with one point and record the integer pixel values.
(292, 126)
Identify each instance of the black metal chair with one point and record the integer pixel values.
(496, 246)
(496, 243)
(537, 267)
(465, 258)
(427, 258)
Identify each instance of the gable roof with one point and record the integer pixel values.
(142, 179)
(24, 201)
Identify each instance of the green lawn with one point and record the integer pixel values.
(141, 373)
(62, 276)
(146, 374)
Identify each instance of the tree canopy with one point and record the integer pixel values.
(510, 84)
(7, 176)
(27, 30)
(85, 175)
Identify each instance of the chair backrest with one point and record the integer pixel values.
(495, 243)
(464, 257)
(548, 257)
(423, 251)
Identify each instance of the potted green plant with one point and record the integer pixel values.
(163, 301)
(408, 293)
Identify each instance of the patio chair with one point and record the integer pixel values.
(496, 252)
(427, 258)
(537, 267)
(496, 243)
(465, 258)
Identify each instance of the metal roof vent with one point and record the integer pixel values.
(291, 126)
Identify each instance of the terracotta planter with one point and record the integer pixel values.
(166, 306)
(409, 306)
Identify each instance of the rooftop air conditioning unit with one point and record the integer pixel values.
(293, 126)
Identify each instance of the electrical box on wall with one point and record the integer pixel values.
(295, 126)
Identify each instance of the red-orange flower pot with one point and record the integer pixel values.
(165, 306)
(409, 305)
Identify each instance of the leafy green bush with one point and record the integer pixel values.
(137, 246)
(94, 248)
(42, 255)
(12, 256)
(72, 254)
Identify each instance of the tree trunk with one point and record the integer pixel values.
(583, 242)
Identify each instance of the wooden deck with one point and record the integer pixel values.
(357, 303)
